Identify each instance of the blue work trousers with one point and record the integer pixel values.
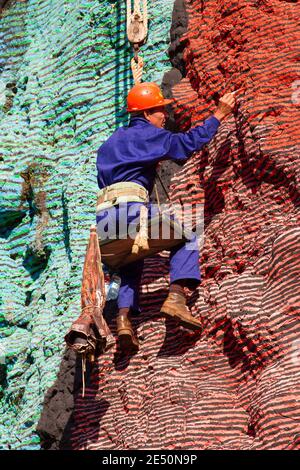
(184, 258)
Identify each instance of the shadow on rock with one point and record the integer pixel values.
(178, 340)
(57, 415)
(58, 418)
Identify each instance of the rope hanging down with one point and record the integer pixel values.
(137, 29)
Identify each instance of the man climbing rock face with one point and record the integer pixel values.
(126, 165)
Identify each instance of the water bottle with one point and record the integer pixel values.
(114, 287)
(106, 286)
(106, 281)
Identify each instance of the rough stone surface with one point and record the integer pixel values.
(235, 385)
(64, 76)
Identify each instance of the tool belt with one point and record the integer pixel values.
(121, 192)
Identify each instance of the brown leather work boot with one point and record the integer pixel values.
(174, 306)
(127, 338)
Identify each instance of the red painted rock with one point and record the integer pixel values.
(235, 385)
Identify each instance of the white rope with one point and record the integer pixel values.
(137, 6)
(128, 14)
(145, 17)
(137, 69)
(83, 366)
(141, 238)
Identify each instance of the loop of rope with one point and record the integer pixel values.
(136, 24)
(137, 11)
(137, 69)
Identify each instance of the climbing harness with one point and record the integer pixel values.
(118, 193)
(130, 246)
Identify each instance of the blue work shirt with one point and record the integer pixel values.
(133, 152)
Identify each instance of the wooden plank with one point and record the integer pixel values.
(163, 232)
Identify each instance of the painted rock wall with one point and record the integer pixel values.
(249, 300)
(236, 386)
(64, 76)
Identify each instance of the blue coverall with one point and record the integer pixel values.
(132, 154)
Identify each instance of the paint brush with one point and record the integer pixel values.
(236, 91)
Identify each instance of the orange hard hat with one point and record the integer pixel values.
(145, 95)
